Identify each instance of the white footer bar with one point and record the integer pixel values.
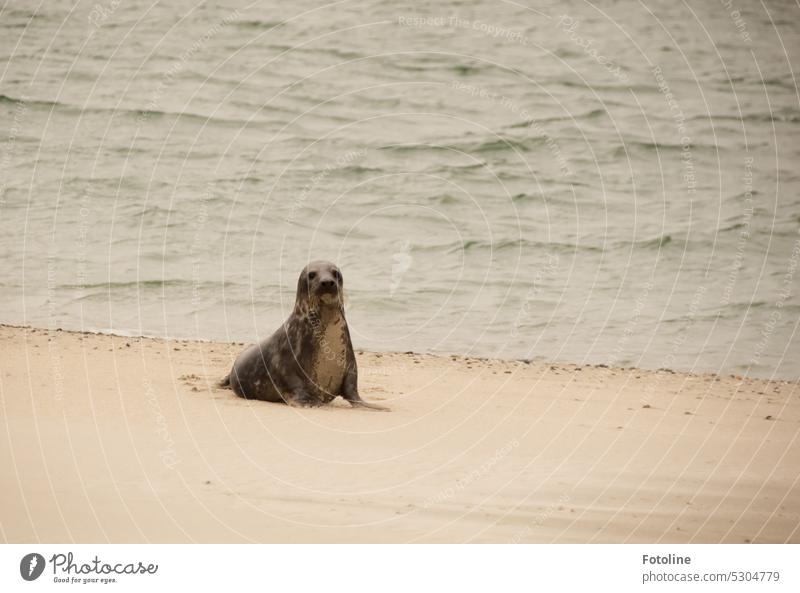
(400, 568)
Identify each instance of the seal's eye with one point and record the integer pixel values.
(337, 276)
(312, 275)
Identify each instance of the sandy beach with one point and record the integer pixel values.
(119, 439)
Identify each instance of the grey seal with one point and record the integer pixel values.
(309, 360)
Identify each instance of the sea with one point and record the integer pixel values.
(596, 183)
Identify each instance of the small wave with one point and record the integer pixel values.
(152, 213)
(784, 83)
(248, 179)
(566, 198)
(506, 244)
(593, 114)
(501, 144)
(131, 288)
(414, 147)
(527, 198)
(745, 195)
(71, 109)
(567, 53)
(731, 227)
(734, 310)
(182, 115)
(65, 108)
(334, 52)
(27, 102)
(637, 88)
(445, 199)
(656, 242)
(788, 116)
(127, 285)
(257, 24)
(647, 147)
(128, 151)
(134, 289)
(460, 70)
(743, 306)
(685, 319)
(22, 17)
(359, 170)
(466, 69)
(473, 244)
(478, 147)
(461, 168)
(767, 232)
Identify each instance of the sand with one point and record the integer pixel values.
(118, 439)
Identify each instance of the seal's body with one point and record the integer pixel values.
(309, 360)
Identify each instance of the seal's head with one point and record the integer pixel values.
(320, 285)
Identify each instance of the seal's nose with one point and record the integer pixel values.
(328, 284)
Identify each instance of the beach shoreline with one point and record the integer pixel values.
(126, 439)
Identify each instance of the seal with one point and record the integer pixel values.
(309, 360)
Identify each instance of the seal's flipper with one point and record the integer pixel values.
(225, 381)
(304, 403)
(360, 403)
(300, 398)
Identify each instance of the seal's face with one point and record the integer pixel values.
(320, 282)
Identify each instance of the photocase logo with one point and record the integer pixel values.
(31, 566)
(401, 262)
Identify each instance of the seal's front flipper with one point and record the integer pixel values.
(350, 385)
(301, 399)
(360, 403)
(224, 382)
